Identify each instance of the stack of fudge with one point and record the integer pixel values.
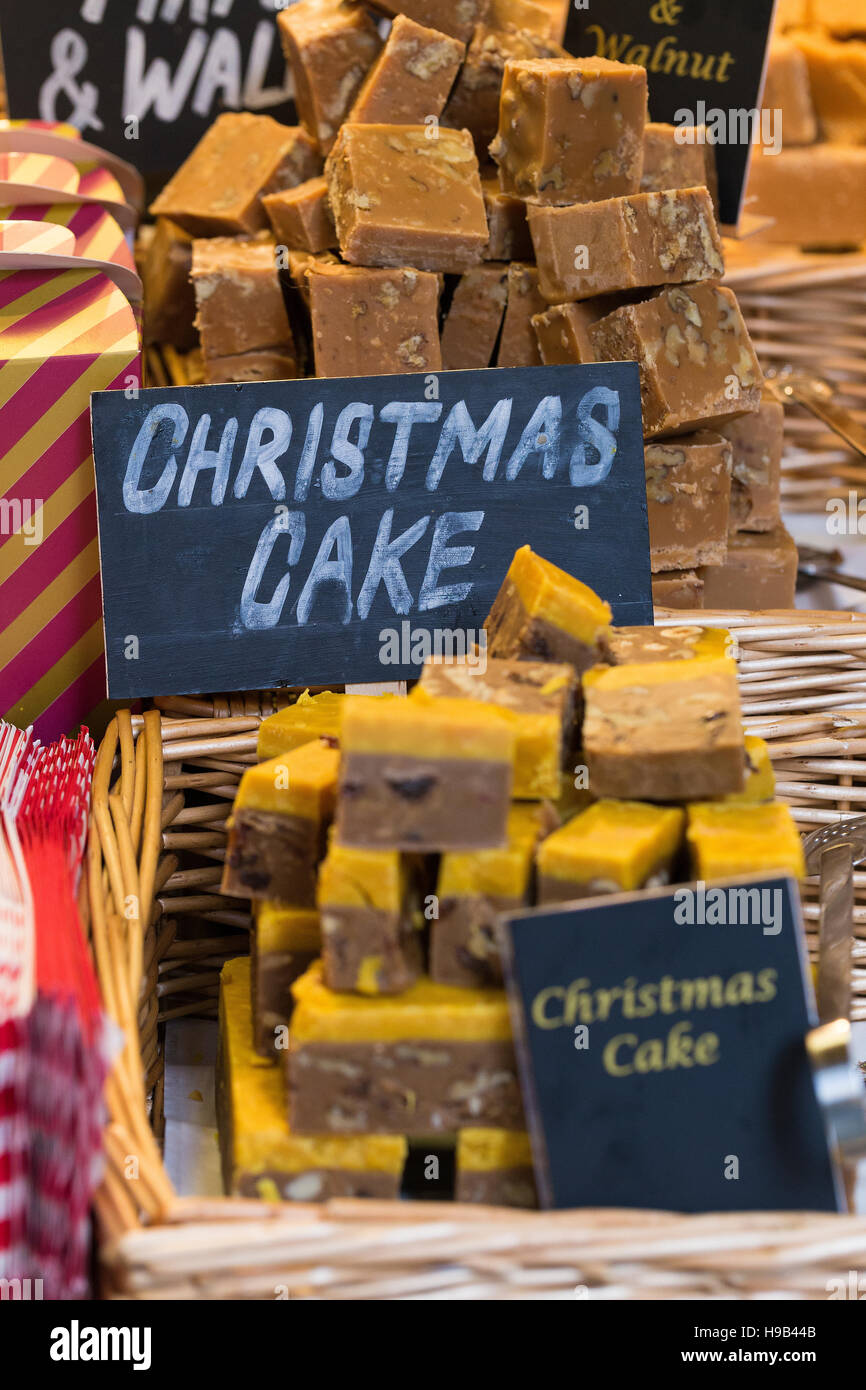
(381, 839)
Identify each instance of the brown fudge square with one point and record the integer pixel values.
(299, 265)
(301, 217)
(474, 318)
(788, 89)
(329, 47)
(678, 157)
(260, 364)
(627, 243)
(545, 17)
(562, 330)
(518, 345)
(760, 572)
(697, 364)
(455, 17)
(688, 490)
(571, 129)
(678, 589)
(474, 103)
(169, 301)
(507, 226)
(219, 187)
(237, 290)
(370, 322)
(411, 78)
(402, 198)
(756, 470)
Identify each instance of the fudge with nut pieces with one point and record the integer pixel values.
(678, 589)
(629, 646)
(239, 299)
(571, 129)
(562, 330)
(543, 614)
(411, 78)
(169, 307)
(494, 1167)
(611, 847)
(688, 491)
(259, 364)
(400, 198)
(518, 345)
(284, 943)
(756, 466)
(455, 17)
(664, 731)
(427, 1061)
(329, 47)
(373, 322)
(727, 840)
(678, 157)
(301, 217)
(218, 189)
(261, 1156)
(507, 228)
(474, 317)
(371, 926)
(474, 102)
(759, 572)
(697, 364)
(545, 17)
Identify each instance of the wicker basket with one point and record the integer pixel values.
(163, 787)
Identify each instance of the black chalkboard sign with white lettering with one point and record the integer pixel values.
(661, 1038)
(705, 63)
(328, 531)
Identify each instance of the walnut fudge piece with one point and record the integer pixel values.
(169, 301)
(474, 318)
(698, 367)
(474, 103)
(427, 1061)
(562, 330)
(261, 1157)
(571, 129)
(301, 217)
(537, 697)
(672, 160)
(545, 17)
(518, 345)
(628, 243)
(218, 188)
(411, 78)
(494, 1167)
(678, 589)
(629, 646)
(259, 364)
(665, 731)
(240, 302)
(278, 826)
(507, 227)
(612, 847)
(400, 198)
(455, 17)
(371, 936)
(727, 840)
(373, 322)
(759, 572)
(329, 46)
(543, 614)
(688, 489)
(756, 466)
(284, 943)
(435, 775)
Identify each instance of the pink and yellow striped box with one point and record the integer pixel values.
(97, 236)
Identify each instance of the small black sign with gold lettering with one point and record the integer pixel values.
(660, 1037)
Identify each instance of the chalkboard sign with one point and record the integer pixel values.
(323, 531)
(705, 63)
(661, 1042)
(143, 78)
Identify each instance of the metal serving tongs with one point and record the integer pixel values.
(817, 396)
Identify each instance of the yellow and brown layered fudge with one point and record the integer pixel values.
(278, 825)
(507, 228)
(428, 1061)
(218, 189)
(628, 243)
(471, 328)
(759, 572)
(537, 697)
(660, 731)
(677, 157)
(411, 78)
(329, 47)
(310, 717)
(611, 847)
(372, 940)
(169, 301)
(543, 614)
(473, 889)
(637, 645)
(284, 943)
(301, 217)
(435, 775)
(678, 589)
(756, 466)
(688, 490)
(474, 102)
(570, 129)
(401, 198)
(760, 783)
(261, 1157)
(240, 303)
(518, 345)
(726, 840)
(494, 1167)
(373, 322)
(697, 364)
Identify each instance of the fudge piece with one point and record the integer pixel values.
(278, 825)
(371, 929)
(284, 943)
(169, 301)
(427, 1061)
(474, 103)
(261, 1157)
(473, 889)
(678, 589)
(688, 492)
(571, 129)
(329, 47)
(815, 194)
(518, 345)
(411, 78)
(494, 1167)
(759, 572)
(402, 198)
(218, 188)
(372, 322)
(238, 296)
(507, 227)
(629, 646)
(310, 717)
(787, 89)
(398, 775)
(458, 19)
(562, 331)
(543, 614)
(259, 364)
(727, 840)
(474, 318)
(537, 697)
(697, 364)
(760, 784)
(672, 162)
(612, 847)
(843, 18)
(300, 263)
(836, 79)
(628, 243)
(301, 216)
(665, 731)
(545, 17)
(756, 466)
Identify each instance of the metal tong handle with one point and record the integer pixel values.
(816, 396)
